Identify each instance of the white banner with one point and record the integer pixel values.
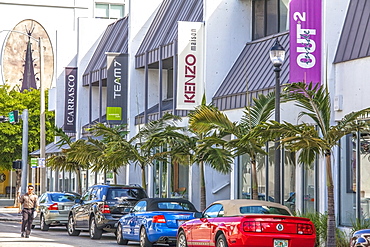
(190, 82)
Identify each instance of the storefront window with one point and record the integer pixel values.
(354, 186)
(265, 186)
(309, 189)
(171, 180)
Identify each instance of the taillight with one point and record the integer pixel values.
(104, 209)
(54, 206)
(304, 229)
(252, 226)
(159, 219)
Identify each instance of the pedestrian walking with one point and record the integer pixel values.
(29, 201)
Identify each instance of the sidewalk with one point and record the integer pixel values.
(9, 214)
(14, 240)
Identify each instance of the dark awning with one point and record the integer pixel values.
(163, 30)
(115, 39)
(252, 72)
(51, 148)
(354, 41)
(153, 112)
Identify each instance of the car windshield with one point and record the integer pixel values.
(60, 197)
(128, 193)
(263, 210)
(175, 206)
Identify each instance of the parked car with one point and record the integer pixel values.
(154, 221)
(260, 197)
(54, 209)
(100, 207)
(231, 223)
(361, 238)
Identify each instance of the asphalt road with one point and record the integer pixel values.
(56, 236)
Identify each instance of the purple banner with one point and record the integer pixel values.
(70, 100)
(305, 40)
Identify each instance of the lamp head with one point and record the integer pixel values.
(277, 54)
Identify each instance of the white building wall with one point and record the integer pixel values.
(140, 20)
(227, 30)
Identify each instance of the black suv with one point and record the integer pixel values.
(100, 207)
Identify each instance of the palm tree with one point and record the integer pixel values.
(63, 161)
(207, 118)
(312, 141)
(145, 148)
(152, 143)
(97, 152)
(202, 148)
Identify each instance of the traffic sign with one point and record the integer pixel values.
(34, 162)
(11, 117)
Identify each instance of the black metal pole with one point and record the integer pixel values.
(277, 144)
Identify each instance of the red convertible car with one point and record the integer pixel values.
(242, 222)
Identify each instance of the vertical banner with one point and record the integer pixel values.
(70, 100)
(305, 40)
(190, 82)
(117, 81)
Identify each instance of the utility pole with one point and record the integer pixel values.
(42, 119)
(24, 180)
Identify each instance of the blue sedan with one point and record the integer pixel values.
(154, 220)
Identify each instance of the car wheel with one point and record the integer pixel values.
(119, 236)
(71, 227)
(43, 225)
(181, 240)
(144, 241)
(95, 233)
(221, 241)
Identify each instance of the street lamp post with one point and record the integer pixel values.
(277, 56)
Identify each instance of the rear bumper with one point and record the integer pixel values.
(108, 224)
(267, 240)
(55, 218)
(162, 235)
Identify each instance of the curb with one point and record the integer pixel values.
(7, 219)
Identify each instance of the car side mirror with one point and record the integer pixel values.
(198, 215)
(78, 201)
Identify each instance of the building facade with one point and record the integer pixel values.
(236, 38)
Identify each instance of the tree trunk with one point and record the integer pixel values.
(18, 174)
(79, 183)
(254, 180)
(143, 178)
(330, 241)
(202, 187)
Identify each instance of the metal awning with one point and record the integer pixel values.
(51, 148)
(153, 112)
(54, 148)
(115, 39)
(251, 74)
(163, 30)
(354, 41)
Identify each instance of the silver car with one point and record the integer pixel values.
(54, 209)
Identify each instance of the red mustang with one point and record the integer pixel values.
(234, 223)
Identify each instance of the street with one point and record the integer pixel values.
(56, 236)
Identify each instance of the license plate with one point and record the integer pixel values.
(180, 222)
(67, 208)
(280, 243)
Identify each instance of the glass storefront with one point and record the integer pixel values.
(354, 186)
(265, 177)
(171, 180)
